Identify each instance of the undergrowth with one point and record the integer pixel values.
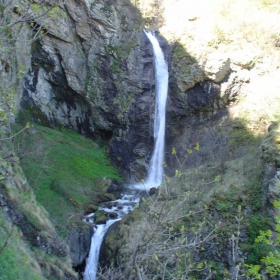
(16, 259)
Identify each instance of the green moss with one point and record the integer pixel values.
(63, 167)
(100, 217)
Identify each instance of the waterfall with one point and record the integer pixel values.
(96, 241)
(155, 174)
(121, 207)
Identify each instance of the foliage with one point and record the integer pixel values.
(15, 253)
(164, 233)
(241, 135)
(152, 12)
(270, 263)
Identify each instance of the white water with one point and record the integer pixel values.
(120, 206)
(96, 241)
(155, 174)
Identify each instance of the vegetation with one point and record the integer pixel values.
(64, 169)
(200, 219)
(212, 220)
(28, 237)
(16, 252)
(152, 12)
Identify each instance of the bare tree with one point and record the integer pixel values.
(163, 242)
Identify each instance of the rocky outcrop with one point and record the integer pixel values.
(93, 72)
(271, 156)
(79, 240)
(30, 227)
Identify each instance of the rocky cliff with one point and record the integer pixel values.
(92, 71)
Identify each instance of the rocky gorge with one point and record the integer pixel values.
(92, 72)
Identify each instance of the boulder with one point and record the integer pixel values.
(100, 217)
(92, 208)
(79, 240)
(112, 215)
(217, 67)
(152, 191)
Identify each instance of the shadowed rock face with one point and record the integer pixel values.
(94, 73)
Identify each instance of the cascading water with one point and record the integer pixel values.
(92, 261)
(155, 174)
(121, 207)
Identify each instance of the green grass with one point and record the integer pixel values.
(16, 260)
(63, 166)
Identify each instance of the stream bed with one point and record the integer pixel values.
(116, 210)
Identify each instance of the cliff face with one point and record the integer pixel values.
(93, 72)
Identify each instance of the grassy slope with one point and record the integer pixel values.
(16, 261)
(63, 167)
(65, 171)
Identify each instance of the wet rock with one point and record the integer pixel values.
(100, 217)
(106, 197)
(79, 240)
(115, 187)
(112, 215)
(152, 191)
(90, 209)
(203, 96)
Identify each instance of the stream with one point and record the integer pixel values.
(117, 209)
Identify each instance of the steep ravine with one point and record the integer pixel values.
(92, 72)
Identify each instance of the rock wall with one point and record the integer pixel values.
(93, 72)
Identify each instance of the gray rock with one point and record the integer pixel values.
(273, 189)
(217, 67)
(79, 240)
